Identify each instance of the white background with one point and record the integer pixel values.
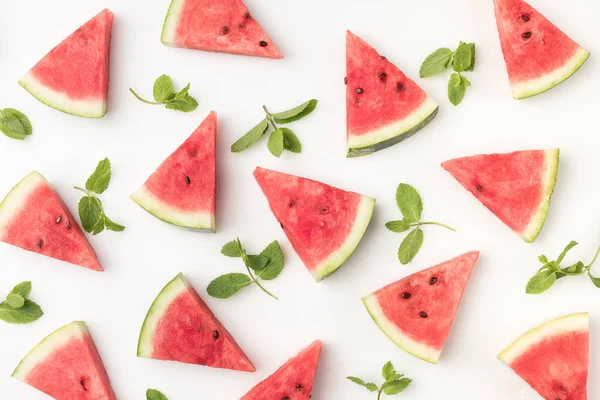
(311, 34)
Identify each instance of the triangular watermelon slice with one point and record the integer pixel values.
(538, 55)
(324, 224)
(417, 312)
(223, 26)
(34, 217)
(66, 366)
(553, 358)
(516, 186)
(182, 191)
(293, 380)
(383, 106)
(73, 76)
(180, 327)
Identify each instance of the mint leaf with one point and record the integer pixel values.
(471, 66)
(15, 300)
(24, 315)
(388, 372)
(463, 57)
(562, 255)
(295, 113)
(184, 104)
(231, 249)
(409, 202)
(163, 90)
(595, 281)
(290, 141)
(276, 261)
(398, 226)
(225, 286)
(14, 124)
(98, 226)
(257, 262)
(90, 212)
(543, 259)
(371, 387)
(541, 281)
(410, 246)
(436, 62)
(22, 289)
(457, 87)
(112, 226)
(99, 180)
(153, 394)
(395, 387)
(251, 137)
(164, 93)
(183, 93)
(275, 144)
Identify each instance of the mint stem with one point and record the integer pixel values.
(434, 223)
(139, 98)
(594, 259)
(270, 117)
(82, 189)
(379, 395)
(258, 283)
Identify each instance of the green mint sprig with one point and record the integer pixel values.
(15, 124)
(265, 266)
(164, 93)
(552, 270)
(91, 211)
(17, 308)
(153, 394)
(411, 206)
(281, 138)
(461, 60)
(394, 382)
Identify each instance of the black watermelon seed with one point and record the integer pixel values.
(382, 76)
(247, 15)
(356, 101)
(225, 30)
(383, 57)
(59, 219)
(345, 80)
(40, 243)
(281, 225)
(216, 334)
(69, 225)
(423, 314)
(188, 180)
(359, 90)
(525, 17)
(292, 203)
(479, 188)
(400, 86)
(285, 398)
(262, 43)
(406, 295)
(82, 383)
(298, 386)
(526, 35)
(323, 210)
(433, 281)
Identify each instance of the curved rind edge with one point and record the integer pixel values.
(167, 36)
(14, 198)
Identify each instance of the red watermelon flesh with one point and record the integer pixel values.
(224, 26)
(34, 217)
(516, 186)
(292, 381)
(383, 105)
(73, 77)
(417, 312)
(324, 224)
(182, 191)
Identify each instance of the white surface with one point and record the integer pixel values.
(311, 34)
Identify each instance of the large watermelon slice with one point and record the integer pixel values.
(538, 55)
(66, 366)
(73, 76)
(224, 26)
(180, 327)
(293, 380)
(182, 191)
(383, 106)
(417, 312)
(553, 358)
(323, 223)
(33, 217)
(516, 186)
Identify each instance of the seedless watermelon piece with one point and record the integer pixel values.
(34, 217)
(417, 312)
(180, 327)
(292, 381)
(516, 187)
(73, 76)
(223, 26)
(553, 358)
(323, 223)
(66, 366)
(182, 191)
(538, 55)
(383, 106)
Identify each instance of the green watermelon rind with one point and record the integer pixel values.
(535, 86)
(336, 259)
(13, 201)
(362, 145)
(167, 36)
(402, 340)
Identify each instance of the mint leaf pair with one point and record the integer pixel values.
(394, 383)
(164, 93)
(280, 139)
(14, 124)
(91, 212)
(17, 308)
(153, 394)
(265, 266)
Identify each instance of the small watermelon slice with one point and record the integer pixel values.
(34, 217)
(73, 77)
(538, 55)
(66, 366)
(383, 106)
(223, 26)
(323, 223)
(553, 358)
(182, 191)
(516, 187)
(180, 327)
(293, 380)
(417, 312)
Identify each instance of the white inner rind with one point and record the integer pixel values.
(15, 200)
(392, 331)
(560, 326)
(171, 22)
(394, 129)
(337, 258)
(60, 101)
(535, 86)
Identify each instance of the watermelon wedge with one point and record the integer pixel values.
(538, 55)
(383, 106)
(180, 327)
(516, 187)
(73, 76)
(33, 217)
(324, 224)
(66, 366)
(182, 191)
(417, 312)
(223, 26)
(292, 381)
(553, 358)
